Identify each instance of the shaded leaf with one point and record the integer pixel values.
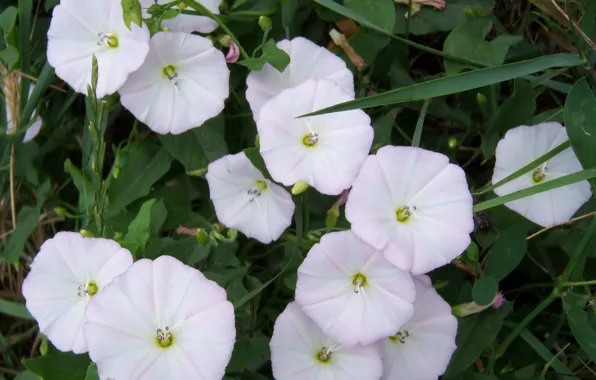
(83, 185)
(485, 290)
(8, 19)
(507, 252)
(582, 327)
(92, 372)
(379, 12)
(59, 366)
(580, 114)
(138, 230)
(17, 310)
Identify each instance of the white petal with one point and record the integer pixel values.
(232, 182)
(524, 144)
(123, 320)
(73, 39)
(439, 227)
(196, 95)
(426, 351)
(344, 138)
(307, 61)
(347, 313)
(33, 130)
(65, 263)
(296, 341)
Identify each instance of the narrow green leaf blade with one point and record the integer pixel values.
(17, 310)
(457, 83)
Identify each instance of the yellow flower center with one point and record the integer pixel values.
(310, 139)
(404, 213)
(323, 355)
(164, 337)
(358, 281)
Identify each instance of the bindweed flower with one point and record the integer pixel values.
(81, 29)
(233, 53)
(307, 61)
(161, 320)
(300, 350)
(524, 144)
(182, 84)
(417, 5)
(183, 22)
(413, 203)
(66, 274)
(245, 200)
(325, 151)
(465, 309)
(352, 292)
(422, 348)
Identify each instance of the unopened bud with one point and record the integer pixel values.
(202, 236)
(452, 143)
(44, 347)
(232, 234)
(217, 236)
(481, 99)
(197, 173)
(265, 23)
(469, 308)
(116, 172)
(469, 12)
(225, 41)
(300, 187)
(166, 29)
(86, 233)
(61, 211)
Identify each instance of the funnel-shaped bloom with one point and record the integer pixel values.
(422, 348)
(161, 320)
(245, 200)
(524, 144)
(413, 203)
(325, 151)
(300, 350)
(81, 29)
(183, 22)
(352, 292)
(182, 84)
(66, 273)
(307, 61)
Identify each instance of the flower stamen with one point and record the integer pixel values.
(324, 355)
(404, 213)
(164, 337)
(359, 282)
(107, 39)
(310, 140)
(255, 192)
(539, 174)
(89, 289)
(170, 72)
(401, 336)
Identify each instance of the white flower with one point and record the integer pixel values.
(524, 144)
(66, 273)
(352, 292)
(81, 29)
(325, 151)
(246, 201)
(186, 23)
(413, 203)
(307, 61)
(182, 84)
(34, 126)
(422, 348)
(161, 320)
(300, 350)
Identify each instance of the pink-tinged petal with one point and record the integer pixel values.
(125, 320)
(307, 61)
(233, 54)
(194, 93)
(353, 313)
(341, 141)
(54, 289)
(296, 341)
(425, 344)
(74, 37)
(524, 144)
(246, 201)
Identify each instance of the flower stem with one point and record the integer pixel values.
(203, 10)
(420, 124)
(568, 284)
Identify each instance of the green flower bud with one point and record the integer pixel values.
(61, 211)
(232, 234)
(265, 23)
(452, 143)
(481, 99)
(197, 173)
(300, 187)
(225, 41)
(202, 236)
(87, 233)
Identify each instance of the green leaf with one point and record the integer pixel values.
(457, 83)
(379, 12)
(485, 290)
(469, 41)
(44, 80)
(92, 372)
(507, 252)
(59, 366)
(248, 351)
(383, 127)
(10, 56)
(569, 179)
(431, 20)
(83, 185)
(253, 64)
(27, 220)
(198, 147)
(580, 114)
(143, 164)
(17, 310)
(8, 19)
(476, 333)
(275, 56)
(27, 375)
(546, 354)
(582, 326)
(131, 11)
(138, 230)
(517, 110)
